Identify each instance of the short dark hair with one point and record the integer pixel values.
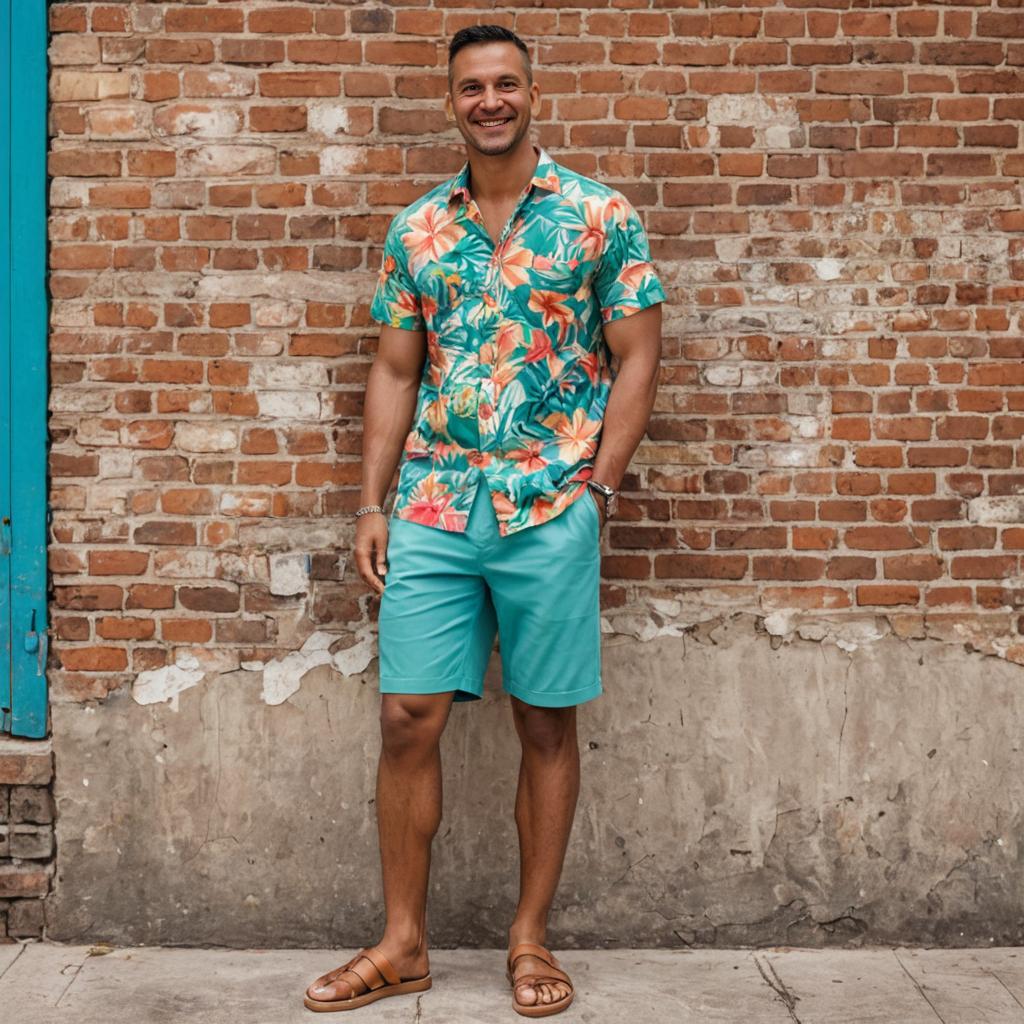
(487, 34)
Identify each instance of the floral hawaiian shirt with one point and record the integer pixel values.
(517, 374)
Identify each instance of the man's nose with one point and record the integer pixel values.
(491, 99)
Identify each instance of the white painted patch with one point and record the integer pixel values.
(779, 136)
(339, 160)
(289, 574)
(165, 684)
(288, 375)
(829, 270)
(731, 248)
(353, 660)
(283, 677)
(289, 405)
(779, 623)
(752, 109)
(1008, 509)
(723, 375)
(328, 119)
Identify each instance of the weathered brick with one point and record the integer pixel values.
(25, 762)
(19, 881)
(865, 453)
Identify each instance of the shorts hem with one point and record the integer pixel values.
(549, 699)
(412, 685)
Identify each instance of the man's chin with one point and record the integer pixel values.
(497, 147)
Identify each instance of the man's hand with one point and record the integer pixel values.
(371, 549)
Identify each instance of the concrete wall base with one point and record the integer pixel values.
(736, 791)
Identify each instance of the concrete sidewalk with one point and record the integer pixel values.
(45, 983)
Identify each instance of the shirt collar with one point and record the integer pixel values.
(545, 176)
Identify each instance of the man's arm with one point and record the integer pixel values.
(636, 341)
(388, 408)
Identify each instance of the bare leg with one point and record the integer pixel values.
(408, 815)
(549, 784)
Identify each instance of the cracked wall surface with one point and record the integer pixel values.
(739, 787)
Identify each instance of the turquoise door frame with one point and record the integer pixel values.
(23, 367)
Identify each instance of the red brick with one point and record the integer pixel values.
(299, 83)
(93, 659)
(205, 19)
(887, 594)
(17, 881)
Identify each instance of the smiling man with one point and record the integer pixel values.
(502, 296)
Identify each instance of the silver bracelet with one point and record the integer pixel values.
(368, 508)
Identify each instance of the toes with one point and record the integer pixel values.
(552, 992)
(328, 988)
(527, 994)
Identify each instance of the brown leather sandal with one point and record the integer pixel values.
(533, 980)
(380, 978)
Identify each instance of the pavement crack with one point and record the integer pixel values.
(778, 986)
(917, 985)
(67, 987)
(17, 957)
(419, 1010)
(1008, 989)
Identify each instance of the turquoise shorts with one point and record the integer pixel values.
(447, 595)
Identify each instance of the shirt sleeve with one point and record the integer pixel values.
(396, 302)
(625, 280)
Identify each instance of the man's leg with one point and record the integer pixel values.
(408, 815)
(549, 784)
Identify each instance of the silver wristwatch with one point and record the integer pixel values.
(610, 495)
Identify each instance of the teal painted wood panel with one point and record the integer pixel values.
(6, 668)
(23, 354)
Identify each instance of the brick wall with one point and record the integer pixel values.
(834, 201)
(26, 836)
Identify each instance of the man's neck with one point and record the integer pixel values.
(496, 178)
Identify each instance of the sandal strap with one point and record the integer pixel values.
(383, 965)
(352, 967)
(531, 949)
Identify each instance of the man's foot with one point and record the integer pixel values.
(344, 983)
(529, 991)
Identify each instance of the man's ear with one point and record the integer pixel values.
(449, 111)
(535, 100)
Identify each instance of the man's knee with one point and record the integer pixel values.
(412, 722)
(544, 730)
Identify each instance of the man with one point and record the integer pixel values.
(498, 293)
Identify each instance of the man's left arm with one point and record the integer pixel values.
(636, 341)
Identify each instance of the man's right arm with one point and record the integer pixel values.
(388, 408)
(389, 405)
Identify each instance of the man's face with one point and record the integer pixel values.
(490, 100)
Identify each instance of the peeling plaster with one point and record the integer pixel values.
(164, 684)
(849, 633)
(283, 677)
